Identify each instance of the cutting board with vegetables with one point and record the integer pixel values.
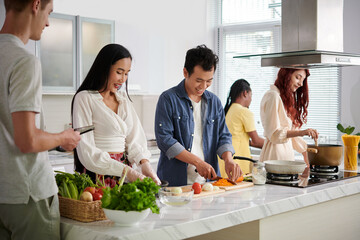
(238, 186)
(203, 193)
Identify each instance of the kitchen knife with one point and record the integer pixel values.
(85, 129)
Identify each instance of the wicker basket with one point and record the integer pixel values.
(81, 210)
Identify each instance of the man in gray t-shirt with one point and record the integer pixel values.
(28, 201)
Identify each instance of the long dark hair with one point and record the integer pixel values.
(98, 77)
(238, 87)
(295, 103)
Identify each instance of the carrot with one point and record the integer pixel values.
(240, 179)
(222, 182)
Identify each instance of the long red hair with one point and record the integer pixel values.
(295, 103)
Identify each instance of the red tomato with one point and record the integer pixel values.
(197, 187)
(100, 190)
(91, 190)
(97, 196)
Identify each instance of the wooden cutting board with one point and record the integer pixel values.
(238, 186)
(202, 194)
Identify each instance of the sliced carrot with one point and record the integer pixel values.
(240, 179)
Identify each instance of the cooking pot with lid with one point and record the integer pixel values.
(326, 154)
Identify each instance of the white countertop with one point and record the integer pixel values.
(214, 213)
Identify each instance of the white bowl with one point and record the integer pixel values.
(175, 199)
(123, 218)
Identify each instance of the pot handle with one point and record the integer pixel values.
(312, 150)
(244, 158)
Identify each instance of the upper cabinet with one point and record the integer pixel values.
(68, 48)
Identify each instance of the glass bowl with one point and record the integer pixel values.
(123, 218)
(175, 199)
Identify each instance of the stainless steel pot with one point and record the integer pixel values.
(327, 154)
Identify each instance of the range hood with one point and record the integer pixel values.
(312, 36)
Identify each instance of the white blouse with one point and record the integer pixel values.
(121, 132)
(276, 123)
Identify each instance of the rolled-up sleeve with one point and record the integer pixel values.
(272, 117)
(299, 144)
(164, 128)
(136, 144)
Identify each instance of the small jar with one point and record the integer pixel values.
(259, 173)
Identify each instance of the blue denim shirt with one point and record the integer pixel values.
(174, 128)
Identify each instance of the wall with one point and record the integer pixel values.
(350, 87)
(157, 33)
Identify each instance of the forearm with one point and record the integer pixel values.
(28, 138)
(227, 156)
(295, 133)
(256, 141)
(188, 157)
(43, 141)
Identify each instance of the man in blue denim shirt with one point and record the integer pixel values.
(190, 126)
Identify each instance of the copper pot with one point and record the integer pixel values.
(325, 154)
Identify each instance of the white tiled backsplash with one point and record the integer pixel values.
(57, 112)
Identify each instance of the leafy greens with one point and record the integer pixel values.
(135, 196)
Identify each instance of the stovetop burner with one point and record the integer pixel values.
(324, 170)
(282, 177)
(315, 178)
(285, 179)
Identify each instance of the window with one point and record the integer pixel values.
(68, 48)
(254, 27)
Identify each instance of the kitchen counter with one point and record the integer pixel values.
(327, 211)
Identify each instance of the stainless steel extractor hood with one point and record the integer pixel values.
(312, 36)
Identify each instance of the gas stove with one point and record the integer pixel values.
(310, 177)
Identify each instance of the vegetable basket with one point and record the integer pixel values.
(80, 210)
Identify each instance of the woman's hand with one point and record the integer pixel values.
(311, 133)
(147, 170)
(132, 175)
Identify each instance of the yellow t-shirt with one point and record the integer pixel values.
(240, 121)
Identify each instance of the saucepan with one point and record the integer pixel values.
(279, 166)
(325, 154)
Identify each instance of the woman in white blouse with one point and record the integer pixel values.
(118, 141)
(283, 111)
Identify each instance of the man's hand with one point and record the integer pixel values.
(205, 170)
(71, 139)
(231, 168)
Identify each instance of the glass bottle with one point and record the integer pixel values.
(259, 173)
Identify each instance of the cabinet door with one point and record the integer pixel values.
(95, 34)
(57, 51)
(68, 48)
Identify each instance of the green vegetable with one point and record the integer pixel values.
(72, 185)
(135, 196)
(74, 193)
(349, 130)
(66, 190)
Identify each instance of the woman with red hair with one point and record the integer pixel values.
(283, 111)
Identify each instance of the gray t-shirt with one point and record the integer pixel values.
(21, 175)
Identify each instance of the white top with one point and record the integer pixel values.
(22, 175)
(121, 132)
(197, 147)
(276, 123)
